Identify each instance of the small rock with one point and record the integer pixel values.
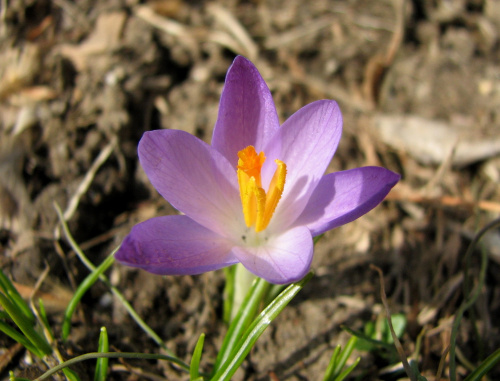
(431, 142)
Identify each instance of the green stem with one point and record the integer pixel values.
(114, 355)
(105, 280)
(242, 320)
(80, 292)
(247, 341)
(243, 280)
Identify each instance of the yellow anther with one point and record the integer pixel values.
(273, 195)
(258, 206)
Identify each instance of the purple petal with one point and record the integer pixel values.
(174, 245)
(341, 197)
(305, 143)
(195, 178)
(283, 259)
(247, 115)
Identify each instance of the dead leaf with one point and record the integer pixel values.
(104, 38)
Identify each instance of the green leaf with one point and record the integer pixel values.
(256, 329)
(101, 368)
(25, 325)
(347, 371)
(273, 292)
(484, 367)
(20, 338)
(332, 364)
(4, 315)
(194, 373)
(44, 319)
(11, 292)
(242, 320)
(80, 292)
(14, 378)
(368, 339)
(109, 355)
(338, 360)
(229, 273)
(398, 324)
(344, 355)
(365, 339)
(317, 238)
(140, 322)
(71, 374)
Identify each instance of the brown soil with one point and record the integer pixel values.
(81, 81)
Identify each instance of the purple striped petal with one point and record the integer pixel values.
(174, 245)
(195, 178)
(305, 143)
(247, 115)
(283, 259)
(342, 197)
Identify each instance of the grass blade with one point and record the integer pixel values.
(347, 371)
(71, 375)
(20, 338)
(25, 325)
(365, 337)
(258, 326)
(45, 321)
(80, 292)
(140, 322)
(14, 378)
(101, 368)
(344, 355)
(194, 368)
(242, 320)
(12, 293)
(485, 367)
(332, 364)
(338, 360)
(229, 273)
(111, 355)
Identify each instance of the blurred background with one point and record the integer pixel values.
(418, 83)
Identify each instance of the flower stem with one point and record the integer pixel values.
(242, 320)
(243, 280)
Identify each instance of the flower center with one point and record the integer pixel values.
(258, 206)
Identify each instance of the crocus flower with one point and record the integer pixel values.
(258, 195)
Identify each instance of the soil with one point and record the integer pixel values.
(81, 81)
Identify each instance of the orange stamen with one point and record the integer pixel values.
(258, 206)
